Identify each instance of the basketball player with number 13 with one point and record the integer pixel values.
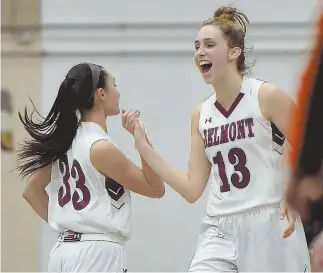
(235, 140)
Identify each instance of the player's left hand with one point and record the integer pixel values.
(287, 212)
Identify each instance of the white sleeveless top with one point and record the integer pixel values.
(245, 151)
(80, 198)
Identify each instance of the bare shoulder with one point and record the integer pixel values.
(195, 119)
(47, 169)
(108, 159)
(44, 172)
(40, 178)
(268, 95)
(275, 105)
(102, 145)
(269, 91)
(105, 156)
(196, 111)
(105, 150)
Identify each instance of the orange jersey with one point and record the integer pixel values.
(306, 130)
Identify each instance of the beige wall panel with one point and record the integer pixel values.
(20, 75)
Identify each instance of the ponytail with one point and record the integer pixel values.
(53, 136)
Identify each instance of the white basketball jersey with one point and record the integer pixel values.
(80, 198)
(245, 151)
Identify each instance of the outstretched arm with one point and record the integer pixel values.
(152, 177)
(191, 184)
(112, 163)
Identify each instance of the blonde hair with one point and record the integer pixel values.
(233, 24)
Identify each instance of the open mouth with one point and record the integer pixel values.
(205, 66)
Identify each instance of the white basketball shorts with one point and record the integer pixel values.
(87, 256)
(250, 242)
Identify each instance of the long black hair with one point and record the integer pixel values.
(53, 136)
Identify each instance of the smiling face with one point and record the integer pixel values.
(213, 53)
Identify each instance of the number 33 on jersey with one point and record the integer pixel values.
(80, 198)
(81, 195)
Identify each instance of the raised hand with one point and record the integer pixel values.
(128, 120)
(139, 131)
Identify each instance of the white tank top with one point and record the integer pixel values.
(245, 151)
(80, 198)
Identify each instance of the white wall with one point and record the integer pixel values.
(147, 46)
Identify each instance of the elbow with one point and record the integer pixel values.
(192, 198)
(161, 192)
(193, 193)
(28, 194)
(158, 192)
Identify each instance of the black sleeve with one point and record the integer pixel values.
(311, 152)
(314, 224)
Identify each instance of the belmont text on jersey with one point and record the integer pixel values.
(229, 132)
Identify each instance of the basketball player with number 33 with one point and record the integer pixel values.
(87, 178)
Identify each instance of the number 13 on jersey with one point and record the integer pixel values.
(238, 159)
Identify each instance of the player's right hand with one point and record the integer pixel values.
(128, 120)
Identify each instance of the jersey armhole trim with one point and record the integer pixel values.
(89, 157)
(199, 118)
(262, 118)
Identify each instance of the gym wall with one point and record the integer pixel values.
(20, 78)
(148, 47)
